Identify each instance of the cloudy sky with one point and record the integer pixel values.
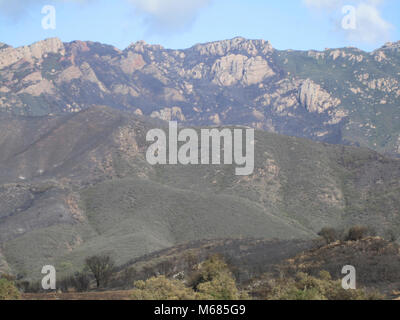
(295, 24)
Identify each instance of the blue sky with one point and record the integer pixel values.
(294, 24)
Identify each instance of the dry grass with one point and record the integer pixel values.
(106, 295)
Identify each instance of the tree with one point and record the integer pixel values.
(161, 288)
(214, 281)
(329, 234)
(357, 233)
(8, 291)
(391, 236)
(306, 287)
(221, 287)
(81, 281)
(102, 268)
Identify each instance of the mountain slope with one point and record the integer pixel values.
(344, 96)
(76, 185)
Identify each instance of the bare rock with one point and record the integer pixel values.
(316, 99)
(232, 69)
(38, 50)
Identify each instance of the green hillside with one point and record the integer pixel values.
(73, 188)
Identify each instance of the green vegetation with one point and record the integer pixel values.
(8, 290)
(306, 287)
(182, 274)
(100, 195)
(356, 233)
(102, 268)
(212, 281)
(329, 234)
(161, 288)
(79, 282)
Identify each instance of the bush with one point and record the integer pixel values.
(221, 287)
(330, 235)
(81, 282)
(102, 268)
(161, 288)
(391, 236)
(208, 270)
(306, 287)
(211, 281)
(214, 281)
(8, 291)
(357, 233)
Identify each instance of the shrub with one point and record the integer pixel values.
(81, 281)
(102, 268)
(221, 287)
(391, 236)
(329, 234)
(306, 287)
(8, 291)
(161, 288)
(208, 270)
(214, 281)
(357, 233)
(211, 281)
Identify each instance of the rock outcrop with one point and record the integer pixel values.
(321, 95)
(36, 51)
(314, 98)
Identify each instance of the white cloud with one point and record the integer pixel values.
(17, 8)
(169, 15)
(370, 28)
(321, 3)
(160, 15)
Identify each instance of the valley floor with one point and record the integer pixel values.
(105, 295)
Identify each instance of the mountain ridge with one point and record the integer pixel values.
(78, 184)
(344, 96)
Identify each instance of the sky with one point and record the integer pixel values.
(178, 24)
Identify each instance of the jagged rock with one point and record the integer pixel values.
(239, 44)
(9, 55)
(90, 75)
(69, 74)
(237, 81)
(232, 69)
(169, 114)
(132, 62)
(43, 87)
(125, 90)
(315, 99)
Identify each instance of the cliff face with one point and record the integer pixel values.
(342, 96)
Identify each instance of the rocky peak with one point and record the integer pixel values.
(316, 99)
(37, 50)
(141, 46)
(238, 45)
(3, 45)
(390, 46)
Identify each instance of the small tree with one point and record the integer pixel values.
(102, 268)
(357, 233)
(161, 288)
(214, 281)
(391, 236)
(81, 281)
(329, 234)
(8, 291)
